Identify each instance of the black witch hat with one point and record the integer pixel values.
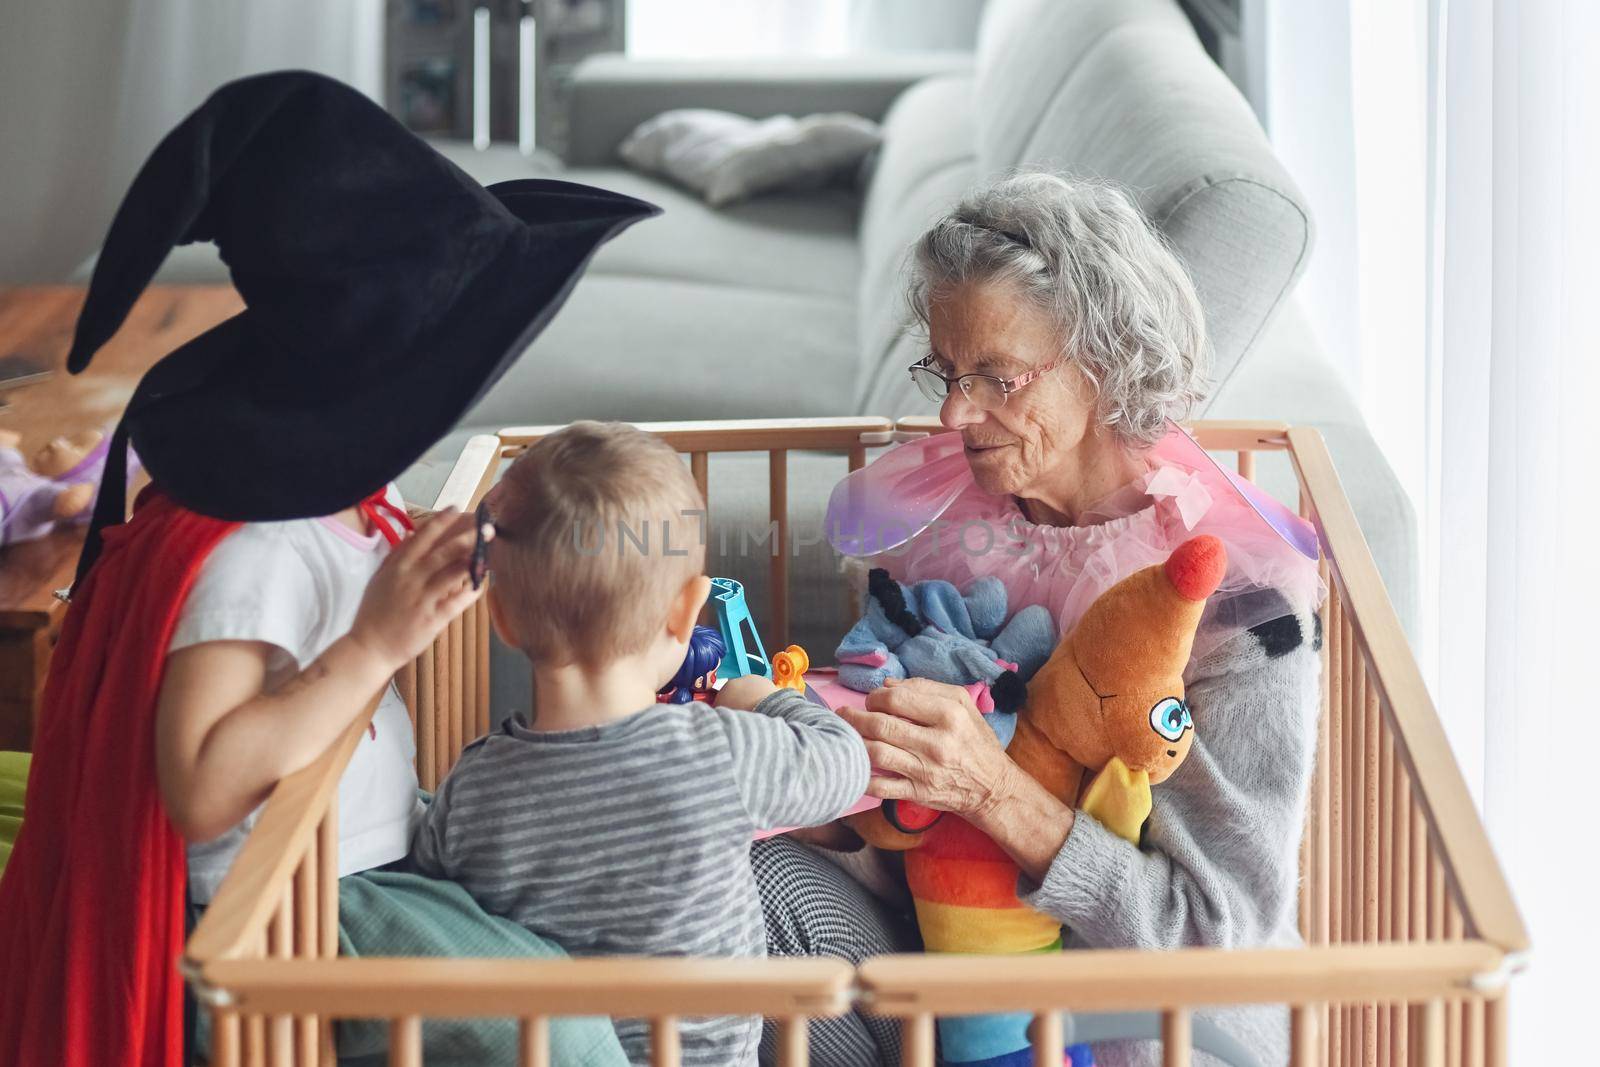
(385, 292)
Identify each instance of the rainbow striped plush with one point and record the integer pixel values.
(965, 891)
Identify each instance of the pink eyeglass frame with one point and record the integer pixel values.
(1007, 385)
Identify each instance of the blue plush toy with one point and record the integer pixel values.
(932, 630)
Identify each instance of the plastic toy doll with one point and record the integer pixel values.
(697, 678)
(55, 485)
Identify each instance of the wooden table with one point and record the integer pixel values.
(38, 321)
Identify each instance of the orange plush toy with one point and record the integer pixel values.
(1104, 721)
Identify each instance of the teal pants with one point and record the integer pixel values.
(387, 912)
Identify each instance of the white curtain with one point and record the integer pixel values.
(91, 86)
(176, 52)
(1513, 368)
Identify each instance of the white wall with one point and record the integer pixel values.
(60, 63)
(89, 86)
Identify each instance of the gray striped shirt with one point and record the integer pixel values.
(633, 838)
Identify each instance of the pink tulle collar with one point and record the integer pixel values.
(917, 511)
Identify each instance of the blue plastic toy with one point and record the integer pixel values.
(742, 656)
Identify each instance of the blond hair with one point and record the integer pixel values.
(599, 526)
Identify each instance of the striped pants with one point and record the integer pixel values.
(812, 908)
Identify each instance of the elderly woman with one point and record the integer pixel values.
(1063, 337)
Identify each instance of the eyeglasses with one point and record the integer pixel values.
(478, 565)
(985, 391)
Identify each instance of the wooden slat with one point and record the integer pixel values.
(454, 684)
(1304, 1048)
(1129, 980)
(1048, 1039)
(533, 1042)
(794, 1041)
(1454, 1008)
(778, 586)
(427, 734)
(1385, 881)
(405, 1042)
(1338, 736)
(1472, 1033)
(225, 1038)
(1247, 465)
(1427, 1028)
(1177, 1038)
(1495, 1038)
(699, 466)
(665, 1047)
(405, 682)
(917, 1042)
(468, 624)
(485, 704)
(1371, 773)
(255, 1041)
(280, 946)
(1437, 779)
(477, 988)
(307, 945)
(1349, 1037)
(1418, 879)
(1400, 897)
(442, 752)
(737, 435)
(328, 926)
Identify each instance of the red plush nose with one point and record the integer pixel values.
(1196, 567)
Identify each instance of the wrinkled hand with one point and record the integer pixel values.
(933, 736)
(420, 587)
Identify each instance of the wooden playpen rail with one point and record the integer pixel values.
(1410, 928)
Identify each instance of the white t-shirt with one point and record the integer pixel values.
(296, 585)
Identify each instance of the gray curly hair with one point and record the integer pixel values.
(1125, 308)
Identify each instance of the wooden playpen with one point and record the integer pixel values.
(1410, 930)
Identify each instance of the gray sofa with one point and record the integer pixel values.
(790, 305)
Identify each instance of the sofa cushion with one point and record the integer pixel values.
(642, 348)
(926, 164)
(1122, 90)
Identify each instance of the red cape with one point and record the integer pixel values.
(91, 905)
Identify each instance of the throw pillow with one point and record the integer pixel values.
(727, 158)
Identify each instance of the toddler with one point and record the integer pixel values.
(613, 824)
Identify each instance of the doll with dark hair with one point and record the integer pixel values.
(698, 675)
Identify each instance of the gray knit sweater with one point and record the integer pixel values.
(1219, 866)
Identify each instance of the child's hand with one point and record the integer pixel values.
(744, 692)
(417, 591)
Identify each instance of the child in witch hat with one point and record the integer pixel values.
(265, 586)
